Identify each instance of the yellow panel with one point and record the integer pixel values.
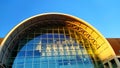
(105, 52)
(95, 35)
(83, 26)
(90, 51)
(89, 30)
(100, 41)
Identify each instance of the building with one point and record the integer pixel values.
(55, 40)
(115, 61)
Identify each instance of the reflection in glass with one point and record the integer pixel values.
(53, 50)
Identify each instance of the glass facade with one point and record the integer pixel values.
(56, 41)
(53, 48)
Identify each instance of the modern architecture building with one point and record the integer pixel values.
(56, 40)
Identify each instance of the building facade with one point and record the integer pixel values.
(55, 40)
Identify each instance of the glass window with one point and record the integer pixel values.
(29, 53)
(114, 65)
(119, 59)
(52, 50)
(21, 54)
(19, 66)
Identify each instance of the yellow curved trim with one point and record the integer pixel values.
(70, 16)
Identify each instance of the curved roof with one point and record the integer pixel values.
(99, 43)
(115, 43)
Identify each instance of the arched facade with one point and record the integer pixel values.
(84, 34)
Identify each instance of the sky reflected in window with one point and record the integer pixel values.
(52, 51)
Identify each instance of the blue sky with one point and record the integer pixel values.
(104, 15)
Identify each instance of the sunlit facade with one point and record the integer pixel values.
(55, 40)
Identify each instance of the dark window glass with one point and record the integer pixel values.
(21, 54)
(114, 65)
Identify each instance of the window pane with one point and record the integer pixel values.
(57, 49)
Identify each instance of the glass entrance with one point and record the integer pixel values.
(53, 48)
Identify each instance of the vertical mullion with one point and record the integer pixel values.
(91, 51)
(25, 53)
(42, 48)
(48, 47)
(33, 50)
(60, 45)
(86, 49)
(76, 50)
(72, 45)
(59, 41)
(65, 42)
(53, 46)
(82, 39)
(81, 51)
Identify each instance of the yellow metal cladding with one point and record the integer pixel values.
(101, 47)
(99, 44)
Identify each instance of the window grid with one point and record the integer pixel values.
(58, 40)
